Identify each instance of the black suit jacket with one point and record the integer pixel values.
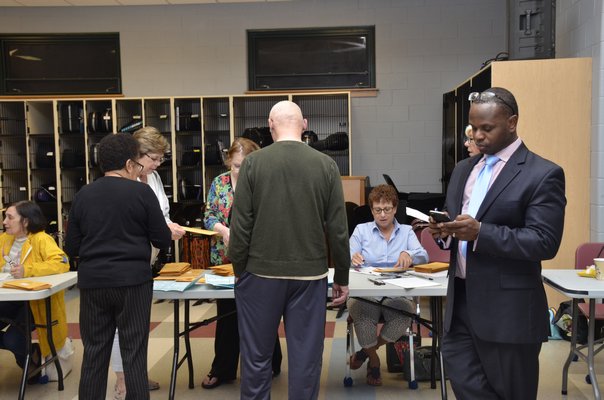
(522, 219)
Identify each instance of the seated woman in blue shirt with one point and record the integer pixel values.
(383, 241)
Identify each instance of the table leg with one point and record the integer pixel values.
(51, 344)
(188, 346)
(176, 348)
(28, 356)
(590, 348)
(438, 321)
(573, 345)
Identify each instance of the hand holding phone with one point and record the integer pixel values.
(439, 216)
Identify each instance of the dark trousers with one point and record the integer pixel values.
(261, 302)
(14, 337)
(101, 311)
(226, 344)
(486, 370)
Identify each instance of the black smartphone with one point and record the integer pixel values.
(439, 216)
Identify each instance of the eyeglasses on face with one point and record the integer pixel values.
(468, 140)
(140, 166)
(486, 97)
(385, 210)
(155, 159)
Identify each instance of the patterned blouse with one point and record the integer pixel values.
(218, 209)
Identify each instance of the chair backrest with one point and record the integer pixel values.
(350, 207)
(586, 252)
(435, 253)
(362, 214)
(401, 195)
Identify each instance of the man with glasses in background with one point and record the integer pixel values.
(507, 209)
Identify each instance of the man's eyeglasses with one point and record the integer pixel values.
(486, 97)
(385, 210)
(155, 159)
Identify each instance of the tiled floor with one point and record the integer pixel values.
(160, 363)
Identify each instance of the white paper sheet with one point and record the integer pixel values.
(411, 282)
(227, 282)
(412, 212)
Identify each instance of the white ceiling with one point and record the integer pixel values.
(68, 3)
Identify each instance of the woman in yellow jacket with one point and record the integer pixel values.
(28, 251)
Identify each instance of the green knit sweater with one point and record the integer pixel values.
(289, 199)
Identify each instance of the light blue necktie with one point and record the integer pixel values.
(481, 186)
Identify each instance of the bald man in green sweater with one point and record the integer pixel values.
(289, 199)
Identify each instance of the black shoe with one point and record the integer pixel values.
(216, 383)
(35, 360)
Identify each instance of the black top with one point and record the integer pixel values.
(112, 224)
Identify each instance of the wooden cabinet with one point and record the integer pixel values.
(48, 146)
(554, 101)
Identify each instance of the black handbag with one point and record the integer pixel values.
(334, 142)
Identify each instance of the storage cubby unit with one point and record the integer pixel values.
(252, 111)
(188, 150)
(328, 117)
(129, 114)
(100, 121)
(157, 115)
(216, 137)
(48, 146)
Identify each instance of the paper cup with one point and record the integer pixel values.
(599, 263)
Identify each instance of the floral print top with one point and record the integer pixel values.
(218, 209)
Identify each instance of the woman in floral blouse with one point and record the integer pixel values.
(216, 218)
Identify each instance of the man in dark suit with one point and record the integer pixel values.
(496, 316)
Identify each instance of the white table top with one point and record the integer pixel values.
(58, 282)
(569, 283)
(359, 286)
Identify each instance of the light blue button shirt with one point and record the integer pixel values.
(369, 241)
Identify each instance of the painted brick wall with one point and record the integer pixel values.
(424, 48)
(579, 33)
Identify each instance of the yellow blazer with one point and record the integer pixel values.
(41, 256)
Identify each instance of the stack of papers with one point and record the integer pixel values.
(225, 282)
(26, 284)
(432, 267)
(174, 269)
(223, 270)
(176, 286)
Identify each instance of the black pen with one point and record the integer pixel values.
(419, 276)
